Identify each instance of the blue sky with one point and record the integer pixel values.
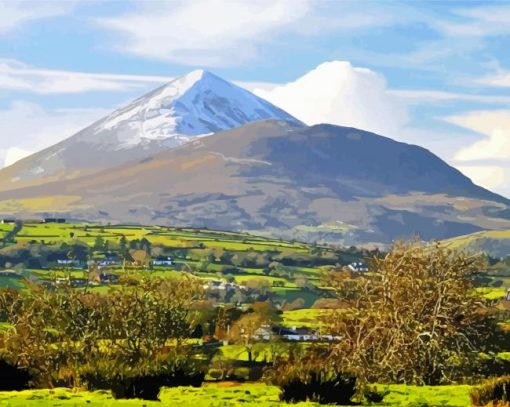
(426, 72)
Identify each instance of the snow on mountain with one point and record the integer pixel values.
(194, 105)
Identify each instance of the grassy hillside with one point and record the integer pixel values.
(496, 243)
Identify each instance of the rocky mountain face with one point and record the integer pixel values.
(279, 177)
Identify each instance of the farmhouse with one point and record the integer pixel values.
(264, 333)
(297, 334)
(108, 261)
(358, 267)
(162, 261)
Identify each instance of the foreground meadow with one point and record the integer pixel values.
(230, 394)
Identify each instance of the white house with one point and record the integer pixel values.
(163, 261)
(358, 267)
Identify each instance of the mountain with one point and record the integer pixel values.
(323, 182)
(197, 104)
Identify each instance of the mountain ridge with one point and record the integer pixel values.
(284, 179)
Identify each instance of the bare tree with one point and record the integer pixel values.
(414, 318)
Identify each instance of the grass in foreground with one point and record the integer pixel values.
(230, 394)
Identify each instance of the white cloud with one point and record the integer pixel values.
(13, 14)
(14, 154)
(338, 93)
(15, 75)
(479, 21)
(26, 127)
(203, 32)
(486, 161)
(499, 79)
(494, 125)
(491, 177)
(420, 97)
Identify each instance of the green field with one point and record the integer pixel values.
(230, 394)
(493, 242)
(172, 237)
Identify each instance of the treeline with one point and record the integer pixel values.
(110, 341)
(41, 255)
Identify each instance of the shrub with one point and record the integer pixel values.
(311, 380)
(495, 391)
(143, 382)
(494, 367)
(372, 395)
(141, 385)
(13, 378)
(338, 389)
(215, 374)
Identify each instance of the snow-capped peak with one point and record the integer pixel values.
(195, 104)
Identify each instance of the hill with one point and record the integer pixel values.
(495, 243)
(323, 182)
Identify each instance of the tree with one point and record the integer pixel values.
(415, 318)
(146, 245)
(99, 243)
(261, 315)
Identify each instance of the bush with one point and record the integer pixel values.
(493, 367)
(495, 391)
(141, 385)
(338, 389)
(144, 380)
(215, 374)
(311, 380)
(13, 378)
(373, 396)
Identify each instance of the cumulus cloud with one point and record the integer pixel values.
(27, 127)
(203, 32)
(14, 154)
(486, 161)
(338, 93)
(492, 177)
(494, 126)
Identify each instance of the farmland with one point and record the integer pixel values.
(279, 285)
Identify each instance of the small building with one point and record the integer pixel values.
(297, 334)
(358, 267)
(162, 261)
(65, 262)
(507, 295)
(59, 281)
(8, 220)
(109, 261)
(109, 278)
(263, 333)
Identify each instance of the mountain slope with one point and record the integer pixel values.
(322, 182)
(194, 105)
